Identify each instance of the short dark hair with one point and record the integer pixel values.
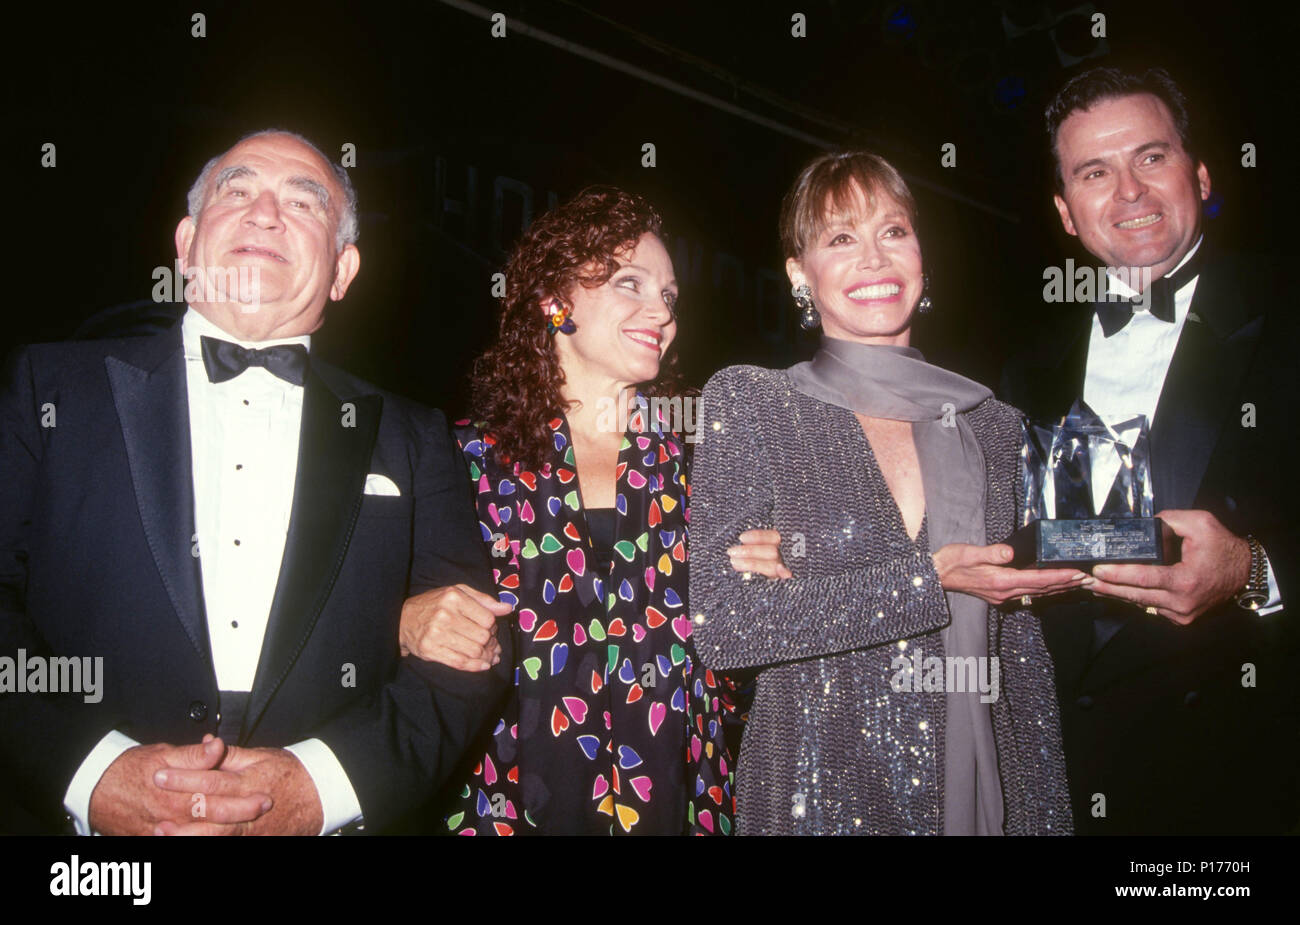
(1085, 90)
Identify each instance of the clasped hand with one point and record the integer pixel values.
(205, 789)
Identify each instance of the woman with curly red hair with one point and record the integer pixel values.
(613, 727)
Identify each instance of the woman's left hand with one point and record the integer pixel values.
(759, 551)
(985, 572)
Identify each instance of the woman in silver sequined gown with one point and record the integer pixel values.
(811, 564)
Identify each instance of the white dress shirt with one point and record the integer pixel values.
(244, 451)
(1126, 374)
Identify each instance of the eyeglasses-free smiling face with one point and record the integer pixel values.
(624, 326)
(1132, 193)
(273, 206)
(864, 268)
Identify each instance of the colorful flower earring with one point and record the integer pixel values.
(557, 319)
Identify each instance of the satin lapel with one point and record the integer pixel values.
(152, 400)
(334, 454)
(1195, 401)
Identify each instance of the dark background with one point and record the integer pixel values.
(461, 137)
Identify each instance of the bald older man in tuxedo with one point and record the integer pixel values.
(233, 525)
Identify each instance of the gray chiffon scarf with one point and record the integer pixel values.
(895, 383)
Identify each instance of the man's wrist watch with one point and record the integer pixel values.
(1255, 594)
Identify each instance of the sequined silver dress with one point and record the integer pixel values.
(831, 746)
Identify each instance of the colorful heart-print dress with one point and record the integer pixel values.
(614, 727)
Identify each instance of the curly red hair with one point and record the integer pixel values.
(517, 380)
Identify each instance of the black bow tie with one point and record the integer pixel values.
(224, 360)
(1114, 315)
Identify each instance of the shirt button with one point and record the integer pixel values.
(235, 624)
(198, 711)
(1084, 702)
(236, 542)
(1191, 699)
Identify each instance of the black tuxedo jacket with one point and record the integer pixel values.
(98, 558)
(1155, 716)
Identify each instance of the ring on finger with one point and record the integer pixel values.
(1151, 609)
(1026, 600)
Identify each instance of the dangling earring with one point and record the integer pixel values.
(809, 317)
(925, 306)
(557, 319)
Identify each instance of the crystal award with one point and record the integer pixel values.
(1086, 495)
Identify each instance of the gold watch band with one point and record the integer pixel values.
(1255, 594)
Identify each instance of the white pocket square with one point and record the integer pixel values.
(377, 484)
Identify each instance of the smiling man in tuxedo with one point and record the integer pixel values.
(233, 525)
(1177, 701)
